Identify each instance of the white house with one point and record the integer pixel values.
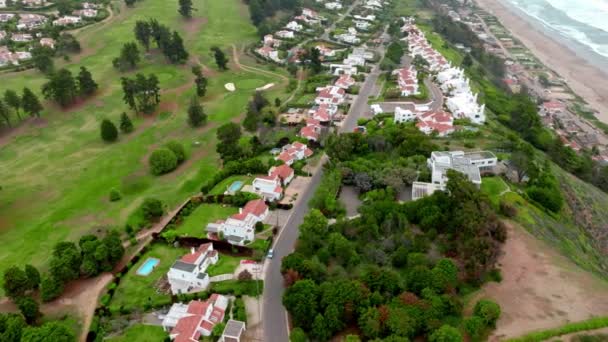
(285, 34)
(294, 26)
(312, 129)
(343, 69)
(471, 164)
(369, 17)
(334, 5)
(354, 60)
(189, 322)
(87, 13)
(4, 17)
(239, 229)
(307, 12)
(67, 20)
(48, 42)
(407, 80)
(362, 24)
(188, 273)
(271, 187)
(29, 21)
(330, 95)
(22, 37)
(269, 53)
(2, 34)
(348, 37)
(2, 3)
(464, 105)
(233, 331)
(294, 152)
(404, 115)
(440, 122)
(325, 51)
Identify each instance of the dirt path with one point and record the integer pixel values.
(235, 57)
(541, 288)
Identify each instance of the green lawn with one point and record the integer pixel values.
(135, 290)
(223, 185)
(194, 225)
(141, 332)
(225, 264)
(493, 186)
(57, 174)
(259, 244)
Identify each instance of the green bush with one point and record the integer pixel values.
(115, 195)
(162, 161)
(590, 324)
(177, 149)
(152, 209)
(488, 311)
(109, 133)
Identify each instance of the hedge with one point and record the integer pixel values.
(590, 324)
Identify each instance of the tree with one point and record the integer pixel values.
(5, 113)
(220, 58)
(130, 3)
(15, 282)
(185, 8)
(474, 326)
(29, 309)
(320, 330)
(162, 161)
(13, 100)
(488, 311)
(314, 57)
(177, 149)
(42, 58)
(200, 81)
(446, 334)
(143, 33)
(229, 135)
(109, 133)
(298, 335)
(65, 261)
(129, 57)
(217, 331)
(30, 103)
(61, 88)
(11, 327)
(50, 288)
(142, 93)
(33, 276)
(196, 113)
(400, 323)
(152, 209)
(50, 331)
(370, 324)
(174, 49)
(467, 61)
(86, 84)
(445, 274)
(244, 275)
(126, 126)
(523, 161)
(301, 301)
(67, 43)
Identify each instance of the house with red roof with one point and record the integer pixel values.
(271, 187)
(312, 129)
(440, 122)
(407, 80)
(552, 108)
(188, 273)
(239, 229)
(323, 112)
(294, 152)
(345, 82)
(330, 95)
(188, 322)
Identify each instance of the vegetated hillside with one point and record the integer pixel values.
(579, 230)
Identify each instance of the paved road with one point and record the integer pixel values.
(325, 35)
(275, 316)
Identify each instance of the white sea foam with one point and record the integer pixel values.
(584, 21)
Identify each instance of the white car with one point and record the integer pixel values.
(270, 254)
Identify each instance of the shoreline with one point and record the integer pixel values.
(585, 79)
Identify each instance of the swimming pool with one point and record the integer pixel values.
(147, 267)
(234, 187)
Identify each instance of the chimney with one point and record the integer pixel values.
(192, 250)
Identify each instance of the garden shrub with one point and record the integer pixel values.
(152, 208)
(163, 161)
(177, 149)
(115, 195)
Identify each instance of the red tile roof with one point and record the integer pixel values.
(309, 132)
(255, 207)
(191, 258)
(282, 171)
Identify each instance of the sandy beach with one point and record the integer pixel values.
(585, 79)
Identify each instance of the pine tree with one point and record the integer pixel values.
(200, 81)
(220, 58)
(5, 113)
(13, 100)
(175, 51)
(185, 8)
(126, 126)
(143, 33)
(86, 84)
(30, 103)
(129, 57)
(109, 133)
(196, 114)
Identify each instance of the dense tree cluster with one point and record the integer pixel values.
(263, 9)
(228, 147)
(170, 43)
(259, 111)
(12, 104)
(129, 57)
(142, 94)
(63, 88)
(376, 271)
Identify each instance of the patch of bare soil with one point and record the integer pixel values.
(541, 288)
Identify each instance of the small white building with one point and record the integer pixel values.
(404, 115)
(270, 187)
(294, 26)
(22, 37)
(330, 95)
(334, 5)
(285, 34)
(362, 24)
(233, 331)
(4, 17)
(291, 153)
(188, 273)
(343, 69)
(2, 3)
(67, 20)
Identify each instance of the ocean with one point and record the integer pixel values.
(581, 23)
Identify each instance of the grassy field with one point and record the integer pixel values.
(194, 225)
(141, 332)
(494, 187)
(225, 264)
(57, 172)
(135, 290)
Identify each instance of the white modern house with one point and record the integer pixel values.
(188, 322)
(404, 115)
(271, 187)
(334, 5)
(471, 164)
(239, 229)
(294, 152)
(464, 105)
(343, 69)
(294, 26)
(285, 34)
(188, 273)
(233, 331)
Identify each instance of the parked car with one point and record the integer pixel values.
(270, 253)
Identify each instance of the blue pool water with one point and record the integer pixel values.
(236, 186)
(147, 267)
